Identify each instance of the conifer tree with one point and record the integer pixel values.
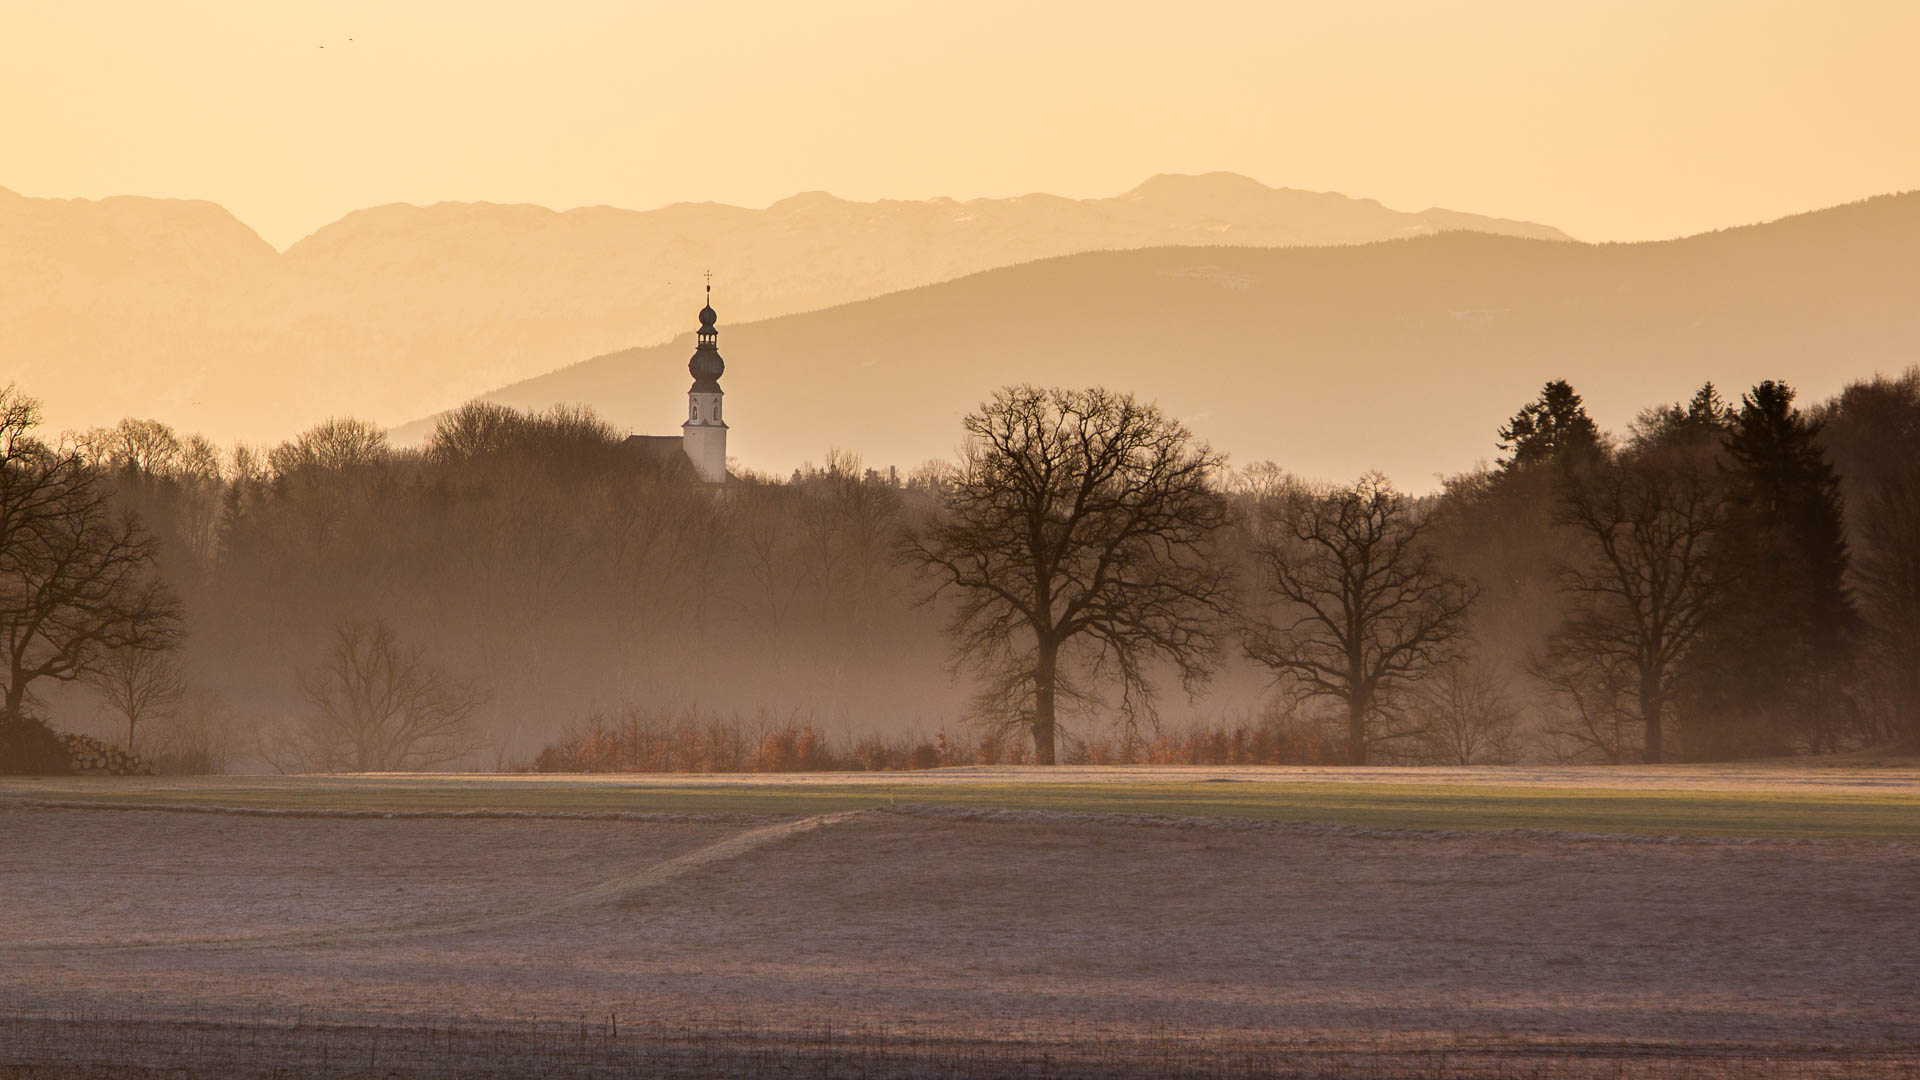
(1554, 427)
(1775, 649)
(1701, 423)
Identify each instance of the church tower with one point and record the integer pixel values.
(704, 435)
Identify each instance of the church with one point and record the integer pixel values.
(703, 438)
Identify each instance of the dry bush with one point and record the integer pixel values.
(791, 748)
(200, 738)
(652, 740)
(686, 741)
(1279, 736)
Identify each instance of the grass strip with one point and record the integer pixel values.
(1891, 816)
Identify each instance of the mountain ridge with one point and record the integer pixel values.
(1157, 188)
(1402, 355)
(176, 309)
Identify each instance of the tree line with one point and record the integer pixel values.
(1723, 579)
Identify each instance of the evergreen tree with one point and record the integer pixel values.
(1768, 672)
(1702, 422)
(1708, 409)
(1555, 427)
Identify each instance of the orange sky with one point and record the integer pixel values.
(1612, 120)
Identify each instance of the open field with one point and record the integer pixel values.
(1747, 801)
(960, 932)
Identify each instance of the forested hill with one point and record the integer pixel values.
(175, 310)
(1403, 356)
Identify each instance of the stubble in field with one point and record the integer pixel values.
(986, 932)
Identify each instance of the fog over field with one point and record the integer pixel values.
(550, 595)
(932, 542)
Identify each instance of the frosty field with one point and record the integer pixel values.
(1751, 922)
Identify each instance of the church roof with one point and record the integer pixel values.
(667, 451)
(656, 449)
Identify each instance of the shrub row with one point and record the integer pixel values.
(638, 740)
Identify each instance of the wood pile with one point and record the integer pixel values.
(91, 757)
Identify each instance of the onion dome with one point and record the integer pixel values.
(706, 367)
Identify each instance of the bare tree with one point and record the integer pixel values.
(767, 546)
(76, 581)
(1589, 695)
(1365, 609)
(1888, 569)
(1469, 715)
(1073, 541)
(140, 686)
(333, 445)
(328, 474)
(148, 447)
(1644, 588)
(378, 705)
(847, 520)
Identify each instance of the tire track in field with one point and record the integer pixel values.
(648, 877)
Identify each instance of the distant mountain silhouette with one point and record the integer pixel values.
(177, 310)
(1403, 356)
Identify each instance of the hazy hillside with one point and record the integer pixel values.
(1402, 356)
(122, 300)
(175, 309)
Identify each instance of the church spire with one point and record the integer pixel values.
(704, 435)
(706, 365)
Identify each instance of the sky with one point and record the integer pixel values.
(1611, 119)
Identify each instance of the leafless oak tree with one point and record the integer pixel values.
(1364, 608)
(1073, 543)
(1644, 587)
(76, 580)
(378, 705)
